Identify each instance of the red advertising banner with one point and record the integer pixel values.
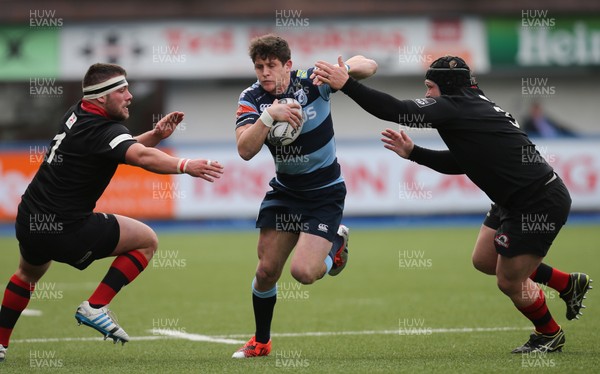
(378, 182)
(132, 192)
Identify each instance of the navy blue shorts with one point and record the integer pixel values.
(318, 212)
(533, 228)
(78, 245)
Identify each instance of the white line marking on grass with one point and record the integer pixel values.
(195, 337)
(386, 332)
(90, 339)
(31, 313)
(231, 339)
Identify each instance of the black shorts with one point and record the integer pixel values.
(78, 245)
(318, 212)
(531, 229)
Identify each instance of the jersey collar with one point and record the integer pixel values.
(93, 108)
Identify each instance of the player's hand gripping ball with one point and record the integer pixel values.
(282, 133)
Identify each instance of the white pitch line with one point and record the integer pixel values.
(230, 339)
(90, 339)
(407, 331)
(195, 337)
(31, 313)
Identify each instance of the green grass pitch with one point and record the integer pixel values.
(409, 301)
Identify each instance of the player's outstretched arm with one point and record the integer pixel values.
(440, 161)
(163, 129)
(157, 161)
(360, 67)
(398, 142)
(336, 75)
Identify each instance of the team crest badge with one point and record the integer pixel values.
(502, 240)
(300, 95)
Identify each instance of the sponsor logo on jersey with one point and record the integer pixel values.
(264, 107)
(323, 227)
(71, 121)
(302, 74)
(502, 240)
(426, 101)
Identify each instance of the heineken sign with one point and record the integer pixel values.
(538, 39)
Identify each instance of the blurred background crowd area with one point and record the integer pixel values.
(538, 60)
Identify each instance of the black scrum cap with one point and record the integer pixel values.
(451, 74)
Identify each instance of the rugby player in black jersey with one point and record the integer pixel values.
(530, 202)
(55, 219)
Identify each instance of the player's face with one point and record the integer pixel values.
(117, 103)
(433, 90)
(272, 74)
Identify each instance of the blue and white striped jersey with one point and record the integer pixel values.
(309, 162)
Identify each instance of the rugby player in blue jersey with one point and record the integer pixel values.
(303, 210)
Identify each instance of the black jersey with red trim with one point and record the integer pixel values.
(484, 141)
(77, 167)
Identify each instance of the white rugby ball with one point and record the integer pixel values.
(282, 133)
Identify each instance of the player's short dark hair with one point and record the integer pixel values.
(270, 46)
(101, 72)
(451, 74)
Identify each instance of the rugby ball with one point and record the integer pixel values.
(282, 133)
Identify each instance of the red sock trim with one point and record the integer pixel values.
(559, 280)
(549, 328)
(13, 301)
(140, 257)
(540, 316)
(103, 295)
(124, 269)
(131, 264)
(536, 310)
(26, 285)
(5, 336)
(16, 298)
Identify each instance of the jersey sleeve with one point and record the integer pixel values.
(114, 142)
(432, 112)
(247, 110)
(324, 90)
(440, 161)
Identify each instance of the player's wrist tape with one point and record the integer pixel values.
(182, 165)
(347, 67)
(266, 119)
